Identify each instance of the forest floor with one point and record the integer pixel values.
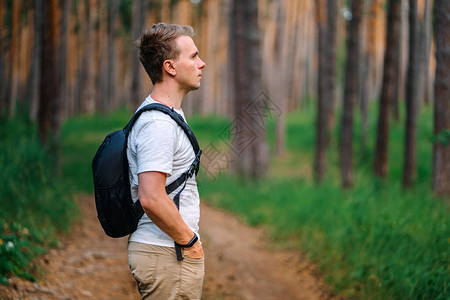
(239, 265)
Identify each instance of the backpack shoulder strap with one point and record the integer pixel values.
(173, 114)
(190, 134)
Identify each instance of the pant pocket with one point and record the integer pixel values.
(192, 274)
(143, 266)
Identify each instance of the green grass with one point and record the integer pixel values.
(371, 242)
(34, 203)
(81, 138)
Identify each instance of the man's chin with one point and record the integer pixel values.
(192, 87)
(195, 87)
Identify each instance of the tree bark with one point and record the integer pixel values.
(49, 85)
(14, 58)
(323, 92)
(34, 77)
(421, 44)
(332, 16)
(165, 11)
(298, 53)
(112, 9)
(102, 63)
(377, 44)
(441, 146)
(87, 92)
(364, 96)
(395, 98)
(427, 36)
(247, 131)
(210, 46)
(388, 90)
(281, 69)
(413, 96)
(3, 53)
(351, 87)
(403, 59)
(64, 36)
(326, 14)
(138, 26)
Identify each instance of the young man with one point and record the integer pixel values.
(158, 153)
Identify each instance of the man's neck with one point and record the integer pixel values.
(168, 95)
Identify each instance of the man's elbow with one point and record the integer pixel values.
(149, 202)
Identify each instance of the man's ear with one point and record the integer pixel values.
(169, 67)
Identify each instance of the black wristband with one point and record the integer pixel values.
(191, 242)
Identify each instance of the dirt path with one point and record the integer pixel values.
(89, 265)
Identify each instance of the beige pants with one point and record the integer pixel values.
(160, 276)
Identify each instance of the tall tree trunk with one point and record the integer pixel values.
(223, 106)
(326, 14)
(309, 63)
(3, 53)
(364, 96)
(210, 45)
(64, 36)
(388, 90)
(351, 88)
(377, 44)
(441, 146)
(165, 11)
(332, 18)
(14, 57)
(323, 92)
(413, 95)
(395, 99)
(102, 62)
(404, 48)
(34, 78)
(80, 45)
(298, 52)
(49, 85)
(87, 92)
(112, 9)
(281, 69)
(427, 36)
(138, 27)
(25, 57)
(421, 45)
(247, 132)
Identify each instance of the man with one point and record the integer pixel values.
(158, 153)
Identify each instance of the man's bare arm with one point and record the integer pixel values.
(163, 212)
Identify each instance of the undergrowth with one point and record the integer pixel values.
(81, 137)
(34, 203)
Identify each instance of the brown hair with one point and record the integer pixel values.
(157, 44)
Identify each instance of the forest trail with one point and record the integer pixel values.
(239, 265)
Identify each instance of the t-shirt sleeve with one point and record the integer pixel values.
(155, 146)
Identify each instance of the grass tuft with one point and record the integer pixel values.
(34, 202)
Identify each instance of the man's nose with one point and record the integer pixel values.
(202, 64)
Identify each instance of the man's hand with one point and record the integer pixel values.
(195, 252)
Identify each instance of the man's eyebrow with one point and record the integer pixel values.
(195, 53)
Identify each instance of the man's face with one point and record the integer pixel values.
(188, 66)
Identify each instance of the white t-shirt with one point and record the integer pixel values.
(157, 143)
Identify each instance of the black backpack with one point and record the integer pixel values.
(117, 213)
